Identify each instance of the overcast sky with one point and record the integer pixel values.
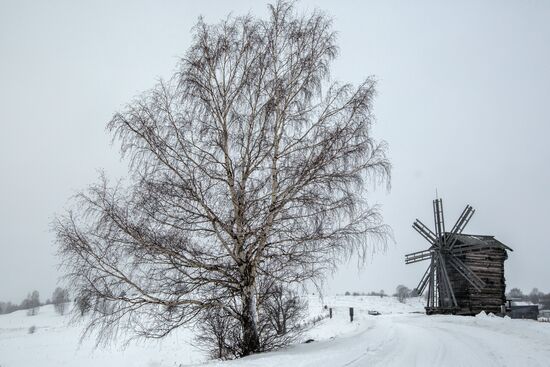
(464, 97)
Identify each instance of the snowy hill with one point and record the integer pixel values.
(401, 336)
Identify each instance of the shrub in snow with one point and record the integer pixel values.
(32, 329)
(317, 319)
(83, 303)
(280, 316)
(219, 334)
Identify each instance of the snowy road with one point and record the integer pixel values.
(419, 340)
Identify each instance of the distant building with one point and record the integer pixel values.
(522, 310)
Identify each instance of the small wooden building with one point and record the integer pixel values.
(485, 256)
(522, 310)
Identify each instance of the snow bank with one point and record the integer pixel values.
(484, 315)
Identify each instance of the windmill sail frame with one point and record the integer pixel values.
(451, 279)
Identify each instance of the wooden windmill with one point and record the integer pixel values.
(466, 272)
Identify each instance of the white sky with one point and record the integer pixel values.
(463, 101)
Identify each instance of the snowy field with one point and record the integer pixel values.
(401, 336)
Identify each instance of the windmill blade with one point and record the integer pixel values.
(424, 281)
(460, 224)
(425, 232)
(460, 219)
(466, 272)
(446, 281)
(415, 257)
(438, 219)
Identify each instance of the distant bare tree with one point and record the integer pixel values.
(249, 166)
(516, 293)
(32, 303)
(8, 307)
(535, 295)
(402, 293)
(60, 298)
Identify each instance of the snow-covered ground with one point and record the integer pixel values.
(401, 336)
(56, 343)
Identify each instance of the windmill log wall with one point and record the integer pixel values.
(487, 264)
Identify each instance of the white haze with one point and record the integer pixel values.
(463, 101)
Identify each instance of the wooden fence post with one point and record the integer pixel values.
(351, 314)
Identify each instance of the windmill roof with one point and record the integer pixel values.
(475, 239)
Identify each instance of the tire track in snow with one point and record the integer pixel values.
(440, 341)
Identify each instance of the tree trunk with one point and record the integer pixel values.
(251, 338)
(249, 321)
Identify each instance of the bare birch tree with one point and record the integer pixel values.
(249, 165)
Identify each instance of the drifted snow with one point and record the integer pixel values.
(401, 336)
